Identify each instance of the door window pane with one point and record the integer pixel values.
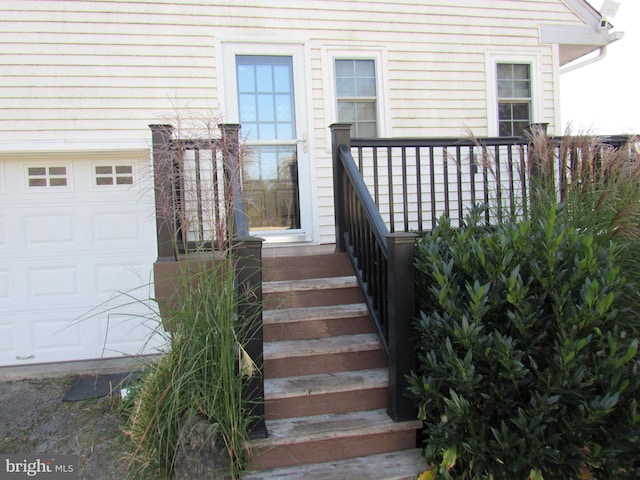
(265, 96)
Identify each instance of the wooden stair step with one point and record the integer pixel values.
(400, 465)
(323, 355)
(308, 314)
(282, 286)
(311, 292)
(297, 267)
(316, 322)
(319, 438)
(338, 392)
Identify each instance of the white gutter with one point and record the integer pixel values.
(613, 37)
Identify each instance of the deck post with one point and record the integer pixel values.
(401, 311)
(232, 162)
(340, 135)
(247, 252)
(163, 178)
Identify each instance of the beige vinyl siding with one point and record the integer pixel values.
(104, 70)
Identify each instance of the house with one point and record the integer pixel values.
(82, 80)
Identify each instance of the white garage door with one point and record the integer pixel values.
(77, 245)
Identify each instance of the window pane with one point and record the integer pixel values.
(505, 71)
(345, 68)
(521, 71)
(505, 89)
(124, 180)
(104, 170)
(521, 89)
(37, 171)
(366, 129)
(346, 112)
(265, 108)
(505, 129)
(246, 80)
(366, 111)
(267, 131)
(104, 181)
(37, 182)
(247, 107)
(58, 182)
(282, 78)
(124, 169)
(345, 87)
(365, 68)
(521, 111)
(284, 106)
(504, 111)
(518, 127)
(264, 78)
(366, 87)
(57, 170)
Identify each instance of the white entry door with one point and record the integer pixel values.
(264, 94)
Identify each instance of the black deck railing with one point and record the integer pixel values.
(386, 191)
(200, 208)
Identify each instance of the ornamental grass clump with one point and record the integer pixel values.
(203, 374)
(527, 352)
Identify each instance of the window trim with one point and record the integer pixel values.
(114, 175)
(491, 64)
(379, 55)
(47, 164)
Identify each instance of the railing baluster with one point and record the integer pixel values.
(432, 181)
(459, 182)
(419, 188)
(392, 220)
(405, 192)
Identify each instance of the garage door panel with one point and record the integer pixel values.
(131, 333)
(111, 228)
(132, 281)
(54, 336)
(5, 294)
(55, 283)
(49, 230)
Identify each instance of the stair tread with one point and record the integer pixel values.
(360, 342)
(322, 383)
(400, 465)
(281, 286)
(285, 315)
(331, 426)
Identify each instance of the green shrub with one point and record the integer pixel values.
(527, 364)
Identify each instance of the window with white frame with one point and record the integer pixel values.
(514, 98)
(47, 176)
(356, 95)
(111, 175)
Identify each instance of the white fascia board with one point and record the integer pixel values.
(53, 147)
(585, 11)
(574, 35)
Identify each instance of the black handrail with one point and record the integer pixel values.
(383, 263)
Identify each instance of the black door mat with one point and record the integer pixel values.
(96, 386)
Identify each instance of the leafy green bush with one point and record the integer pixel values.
(527, 353)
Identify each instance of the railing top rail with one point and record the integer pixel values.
(351, 170)
(470, 142)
